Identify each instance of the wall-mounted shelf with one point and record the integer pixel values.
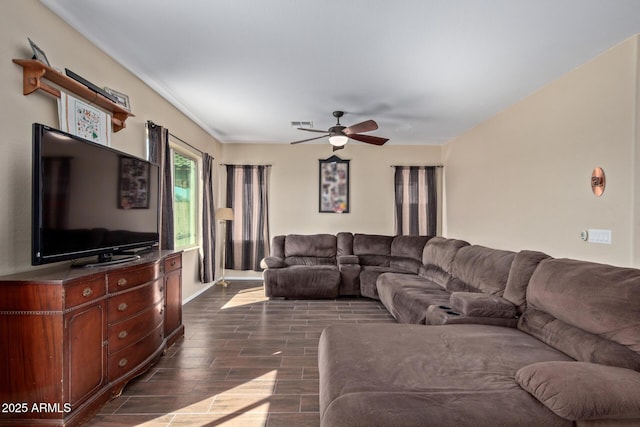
(35, 72)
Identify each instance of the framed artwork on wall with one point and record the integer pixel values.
(84, 120)
(133, 184)
(334, 185)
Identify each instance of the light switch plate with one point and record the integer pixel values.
(599, 236)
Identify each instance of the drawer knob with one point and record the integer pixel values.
(173, 263)
(123, 362)
(87, 292)
(122, 282)
(123, 306)
(123, 334)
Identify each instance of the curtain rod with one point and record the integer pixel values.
(150, 122)
(186, 143)
(420, 166)
(230, 164)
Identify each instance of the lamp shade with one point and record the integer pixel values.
(224, 214)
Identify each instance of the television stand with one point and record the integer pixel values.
(106, 259)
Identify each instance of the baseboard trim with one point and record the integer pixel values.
(252, 278)
(200, 292)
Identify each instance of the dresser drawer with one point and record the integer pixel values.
(85, 291)
(130, 303)
(174, 262)
(131, 330)
(127, 359)
(121, 280)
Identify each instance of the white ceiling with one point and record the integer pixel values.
(425, 70)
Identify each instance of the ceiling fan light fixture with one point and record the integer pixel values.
(338, 140)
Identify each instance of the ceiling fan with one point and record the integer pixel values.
(339, 135)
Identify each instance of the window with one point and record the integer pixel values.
(186, 180)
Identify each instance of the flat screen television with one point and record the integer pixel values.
(90, 200)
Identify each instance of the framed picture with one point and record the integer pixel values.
(84, 120)
(38, 53)
(133, 184)
(334, 185)
(121, 98)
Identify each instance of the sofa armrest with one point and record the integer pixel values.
(475, 304)
(583, 391)
(348, 259)
(272, 262)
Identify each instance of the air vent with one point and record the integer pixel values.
(302, 124)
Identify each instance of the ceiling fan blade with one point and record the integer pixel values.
(369, 139)
(336, 148)
(365, 126)
(313, 130)
(309, 139)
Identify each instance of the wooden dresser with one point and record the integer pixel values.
(70, 339)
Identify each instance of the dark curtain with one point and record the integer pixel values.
(416, 200)
(208, 254)
(160, 153)
(248, 234)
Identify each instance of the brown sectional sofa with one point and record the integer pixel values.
(572, 360)
(419, 279)
(522, 339)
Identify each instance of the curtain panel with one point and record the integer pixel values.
(160, 153)
(415, 200)
(208, 248)
(248, 234)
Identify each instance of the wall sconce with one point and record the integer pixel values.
(598, 181)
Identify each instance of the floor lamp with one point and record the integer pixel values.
(223, 215)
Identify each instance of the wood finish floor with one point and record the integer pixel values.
(244, 361)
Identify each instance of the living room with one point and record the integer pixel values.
(519, 180)
(485, 201)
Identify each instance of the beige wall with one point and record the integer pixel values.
(294, 184)
(64, 47)
(522, 179)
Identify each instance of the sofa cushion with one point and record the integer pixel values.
(479, 269)
(407, 371)
(344, 241)
(437, 258)
(583, 391)
(575, 342)
(368, 277)
(372, 249)
(406, 253)
(309, 260)
(315, 245)
(568, 300)
(481, 305)
(315, 281)
(444, 315)
(522, 268)
(277, 246)
(407, 296)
